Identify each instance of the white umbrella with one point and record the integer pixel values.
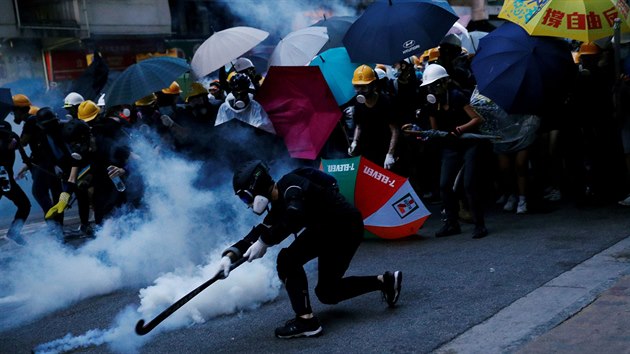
(298, 48)
(223, 47)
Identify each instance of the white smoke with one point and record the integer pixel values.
(170, 247)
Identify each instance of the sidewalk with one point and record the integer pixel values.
(584, 310)
(601, 327)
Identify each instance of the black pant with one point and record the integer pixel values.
(334, 245)
(19, 198)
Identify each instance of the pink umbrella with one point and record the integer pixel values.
(301, 107)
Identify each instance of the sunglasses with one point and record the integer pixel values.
(246, 196)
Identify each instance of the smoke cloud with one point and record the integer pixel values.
(167, 248)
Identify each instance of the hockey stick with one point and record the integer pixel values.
(142, 328)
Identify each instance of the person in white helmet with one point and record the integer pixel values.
(245, 66)
(71, 104)
(450, 110)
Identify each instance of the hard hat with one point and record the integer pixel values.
(432, 73)
(242, 64)
(252, 179)
(214, 85)
(380, 73)
(174, 89)
(196, 89)
(21, 100)
(45, 116)
(146, 100)
(72, 99)
(33, 110)
(451, 39)
(101, 101)
(363, 75)
(589, 48)
(239, 82)
(88, 110)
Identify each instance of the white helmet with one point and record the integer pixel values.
(73, 99)
(380, 73)
(242, 64)
(432, 73)
(101, 101)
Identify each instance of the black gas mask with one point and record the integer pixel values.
(364, 92)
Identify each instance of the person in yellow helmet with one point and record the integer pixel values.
(376, 126)
(88, 111)
(21, 108)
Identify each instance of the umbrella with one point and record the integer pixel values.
(91, 83)
(522, 73)
(391, 30)
(337, 27)
(583, 20)
(299, 47)
(389, 205)
(6, 102)
(338, 70)
(225, 46)
(301, 107)
(143, 78)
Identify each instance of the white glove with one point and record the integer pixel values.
(166, 120)
(224, 265)
(352, 147)
(349, 112)
(389, 161)
(255, 251)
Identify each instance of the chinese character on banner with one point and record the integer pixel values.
(593, 20)
(576, 21)
(623, 6)
(610, 15)
(553, 18)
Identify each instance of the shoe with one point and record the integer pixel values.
(299, 327)
(510, 205)
(553, 195)
(391, 287)
(449, 229)
(502, 199)
(17, 239)
(480, 232)
(625, 202)
(521, 208)
(86, 229)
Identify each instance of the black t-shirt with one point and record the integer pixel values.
(375, 132)
(449, 110)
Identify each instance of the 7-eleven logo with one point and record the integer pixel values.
(405, 206)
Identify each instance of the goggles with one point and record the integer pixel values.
(246, 196)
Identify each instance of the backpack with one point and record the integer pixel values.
(318, 177)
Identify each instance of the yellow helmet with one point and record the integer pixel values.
(21, 100)
(174, 89)
(146, 100)
(589, 48)
(363, 75)
(33, 110)
(196, 89)
(88, 110)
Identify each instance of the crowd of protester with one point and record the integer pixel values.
(579, 151)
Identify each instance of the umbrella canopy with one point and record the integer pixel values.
(299, 47)
(6, 102)
(337, 68)
(301, 107)
(336, 26)
(583, 20)
(390, 207)
(143, 78)
(225, 46)
(391, 30)
(522, 73)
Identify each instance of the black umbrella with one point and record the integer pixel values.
(6, 102)
(337, 27)
(91, 83)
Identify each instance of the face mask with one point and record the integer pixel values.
(361, 98)
(431, 98)
(260, 204)
(239, 104)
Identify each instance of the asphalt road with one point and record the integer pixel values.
(450, 285)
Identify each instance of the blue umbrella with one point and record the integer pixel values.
(337, 69)
(522, 73)
(143, 78)
(6, 102)
(392, 30)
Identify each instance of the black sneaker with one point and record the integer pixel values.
(449, 229)
(480, 232)
(392, 283)
(299, 327)
(87, 230)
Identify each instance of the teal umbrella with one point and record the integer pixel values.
(144, 78)
(337, 68)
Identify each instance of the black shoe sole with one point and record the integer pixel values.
(315, 333)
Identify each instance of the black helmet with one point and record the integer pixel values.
(252, 179)
(240, 82)
(45, 117)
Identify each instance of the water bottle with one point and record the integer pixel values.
(120, 185)
(5, 183)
